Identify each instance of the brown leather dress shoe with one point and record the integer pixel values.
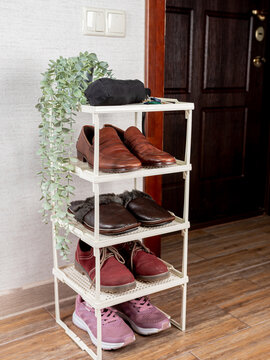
(114, 218)
(145, 209)
(113, 155)
(137, 143)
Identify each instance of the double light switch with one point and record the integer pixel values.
(103, 22)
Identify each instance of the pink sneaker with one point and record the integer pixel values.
(115, 332)
(143, 317)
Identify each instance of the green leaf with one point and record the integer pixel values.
(46, 206)
(61, 214)
(62, 91)
(77, 93)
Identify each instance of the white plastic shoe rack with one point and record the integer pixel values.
(79, 283)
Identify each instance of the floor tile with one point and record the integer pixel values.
(249, 344)
(259, 275)
(52, 344)
(25, 324)
(226, 265)
(230, 244)
(253, 307)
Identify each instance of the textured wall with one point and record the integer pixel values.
(31, 33)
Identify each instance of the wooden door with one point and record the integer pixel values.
(209, 50)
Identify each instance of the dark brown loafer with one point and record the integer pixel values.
(113, 155)
(145, 209)
(137, 143)
(114, 218)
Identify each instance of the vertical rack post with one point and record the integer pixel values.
(186, 175)
(138, 120)
(188, 116)
(99, 334)
(138, 124)
(96, 232)
(96, 209)
(96, 171)
(95, 119)
(55, 265)
(55, 259)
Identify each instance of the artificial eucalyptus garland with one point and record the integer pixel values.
(62, 87)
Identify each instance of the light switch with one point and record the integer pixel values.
(93, 21)
(100, 22)
(115, 23)
(90, 20)
(103, 22)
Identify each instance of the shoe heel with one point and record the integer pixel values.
(80, 156)
(79, 268)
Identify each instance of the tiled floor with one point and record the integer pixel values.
(228, 314)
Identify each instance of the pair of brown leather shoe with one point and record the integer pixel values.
(119, 150)
(121, 213)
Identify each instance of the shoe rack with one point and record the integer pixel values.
(79, 283)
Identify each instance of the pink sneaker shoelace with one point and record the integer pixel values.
(142, 303)
(107, 315)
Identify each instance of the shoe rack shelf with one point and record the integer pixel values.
(88, 237)
(136, 108)
(78, 282)
(85, 172)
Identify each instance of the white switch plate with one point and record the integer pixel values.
(93, 21)
(115, 23)
(104, 22)
(100, 22)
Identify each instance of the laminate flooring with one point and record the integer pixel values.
(228, 309)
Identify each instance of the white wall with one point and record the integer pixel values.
(31, 33)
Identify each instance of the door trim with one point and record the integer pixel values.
(154, 79)
(266, 115)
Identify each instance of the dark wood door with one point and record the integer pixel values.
(209, 50)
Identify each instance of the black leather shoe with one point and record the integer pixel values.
(145, 209)
(114, 218)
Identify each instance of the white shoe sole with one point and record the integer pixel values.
(105, 345)
(140, 330)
